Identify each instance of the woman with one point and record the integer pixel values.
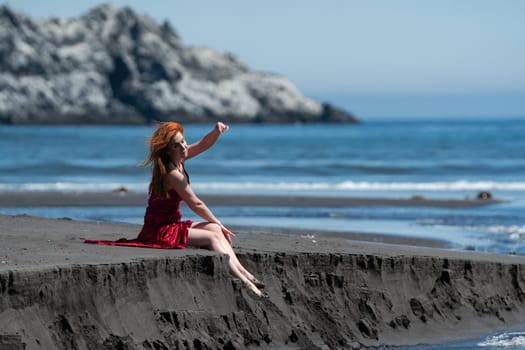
(169, 185)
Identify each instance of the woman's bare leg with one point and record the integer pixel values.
(210, 236)
(225, 247)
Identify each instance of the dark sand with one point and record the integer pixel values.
(325, 291)
(89, 199)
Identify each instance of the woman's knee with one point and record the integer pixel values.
(214, 227)
(209, 226)
(215, 233)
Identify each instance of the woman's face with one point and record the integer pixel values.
(178, 147)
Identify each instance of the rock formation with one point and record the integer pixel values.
(317, 301)
(329, 293)
(113, 66)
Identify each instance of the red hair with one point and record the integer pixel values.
(159, 158)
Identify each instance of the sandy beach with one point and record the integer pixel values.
(326, 291)
(124, 198)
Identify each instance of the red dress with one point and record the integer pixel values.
(162, 228)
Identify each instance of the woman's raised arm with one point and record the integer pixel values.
(207, 141)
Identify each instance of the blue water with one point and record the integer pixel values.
(449, 159)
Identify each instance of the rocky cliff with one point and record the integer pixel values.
(329, 293)
(114, 66)
(317, 301)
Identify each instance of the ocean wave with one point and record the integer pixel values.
(73, 187)
(365, 186)
(278, 186)
(511, 339)
(513, 232)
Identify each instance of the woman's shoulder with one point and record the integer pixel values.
(175, 177)
(175, 174)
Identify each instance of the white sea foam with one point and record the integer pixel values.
(281, 186)
(518, 233)
(368, 186)
(515, 340)
(73, 187)
(514, 232)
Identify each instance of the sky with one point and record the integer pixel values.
(374, 58)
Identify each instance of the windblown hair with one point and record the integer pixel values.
(158, 156)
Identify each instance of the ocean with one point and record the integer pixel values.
(394, 158)
(432, 158)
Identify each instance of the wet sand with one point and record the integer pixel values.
(125, 198)
(325, 291)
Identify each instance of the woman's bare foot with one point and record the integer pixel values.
(257, 283)
(252, 278)
(253, 288)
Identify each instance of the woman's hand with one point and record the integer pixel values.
(227, 234)
(221, 127)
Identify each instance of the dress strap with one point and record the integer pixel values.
(186, 173)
